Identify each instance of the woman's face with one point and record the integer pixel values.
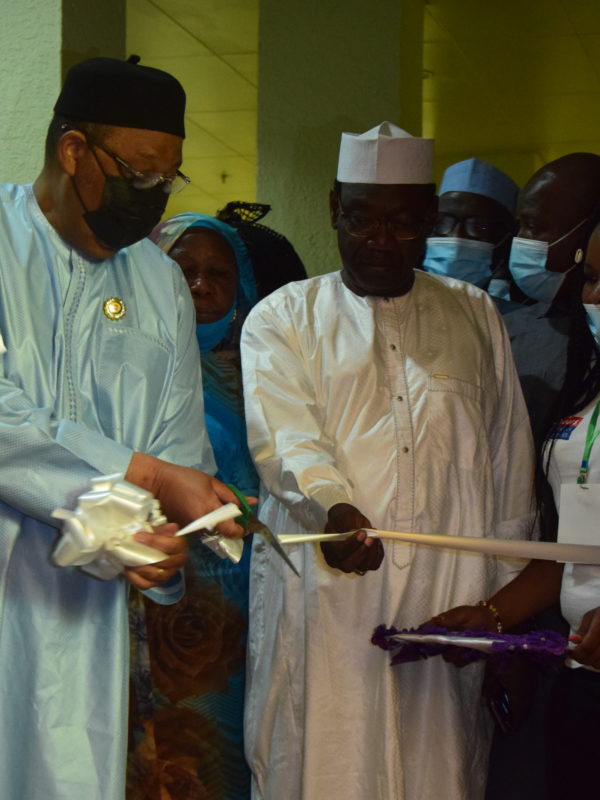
(208, 264)
(591, 270)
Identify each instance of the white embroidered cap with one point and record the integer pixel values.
(385, 154)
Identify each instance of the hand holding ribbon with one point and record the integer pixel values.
(100, 535)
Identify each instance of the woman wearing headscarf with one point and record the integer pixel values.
(217, 267)
(188, 680)
(274, 260)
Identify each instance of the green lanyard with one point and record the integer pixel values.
(591, 436)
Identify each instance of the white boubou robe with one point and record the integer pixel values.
(408, 408)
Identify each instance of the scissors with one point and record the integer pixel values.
(250, 522)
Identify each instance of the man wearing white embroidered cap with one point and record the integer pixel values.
(377, 396)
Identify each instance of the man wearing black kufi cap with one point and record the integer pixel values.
(114, 149)
(100, 375)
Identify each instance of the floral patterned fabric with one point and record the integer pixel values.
(188, 686)
(188, 659)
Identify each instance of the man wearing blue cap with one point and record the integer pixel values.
(472, 233)
(99, 375)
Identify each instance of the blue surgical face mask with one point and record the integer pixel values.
(593, 320)
(500, 288)
(210, 334)
(527, 264)
(466, 259)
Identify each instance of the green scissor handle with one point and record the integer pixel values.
(249, 521)
(246, 515)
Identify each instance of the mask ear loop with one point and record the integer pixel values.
(78, 193)
(579, 252)
(568, 233)
(91, 149)
(577, 260)
(66, 128)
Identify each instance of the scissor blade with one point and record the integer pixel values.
(256, 526)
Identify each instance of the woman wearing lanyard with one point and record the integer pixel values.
(571, 456)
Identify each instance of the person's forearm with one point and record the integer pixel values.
(47, 462)
(535, 588)
(143, 471)
(294, 456)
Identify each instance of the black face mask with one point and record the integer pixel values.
(126, 215)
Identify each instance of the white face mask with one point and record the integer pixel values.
(465, 259)
(527, 264)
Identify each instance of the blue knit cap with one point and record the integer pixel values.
(479, 177)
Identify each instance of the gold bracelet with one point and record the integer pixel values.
(494, 610)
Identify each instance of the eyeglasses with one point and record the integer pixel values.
(473, 226)
(170, 184)
(357, 224)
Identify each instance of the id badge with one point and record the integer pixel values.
(579, 518)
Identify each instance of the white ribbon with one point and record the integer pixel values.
(98, 535)
(514, 548)
(232, 549)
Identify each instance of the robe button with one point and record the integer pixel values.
(405, 449)
(392, 347)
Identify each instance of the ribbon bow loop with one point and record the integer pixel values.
(98, 535)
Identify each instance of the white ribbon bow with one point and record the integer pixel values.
(98, 535)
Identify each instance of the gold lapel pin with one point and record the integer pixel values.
(114, 308)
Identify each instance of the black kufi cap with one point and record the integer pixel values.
(123, 93)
